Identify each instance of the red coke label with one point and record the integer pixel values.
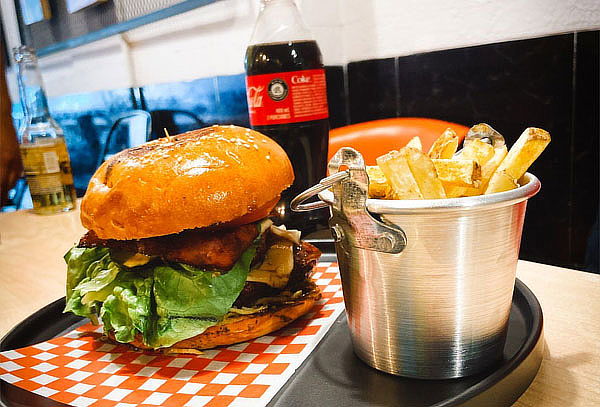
(287, 97)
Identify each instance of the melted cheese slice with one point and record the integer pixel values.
(138, 259)
(276, 267)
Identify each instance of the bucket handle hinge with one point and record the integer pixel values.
(351, 223)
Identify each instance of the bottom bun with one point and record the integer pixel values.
(244, 327)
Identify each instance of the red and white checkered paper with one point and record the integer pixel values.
(80, 370)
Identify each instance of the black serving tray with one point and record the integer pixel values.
(333, 376)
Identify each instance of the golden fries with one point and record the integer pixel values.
(488, 169)
(395, 167)
(442, 173)
(415, 143)
(424, 173)
(522, 154)
(502, 182)
(477, 150)
(445, 146)
(378, 185)
(458, 173)
(483, 153)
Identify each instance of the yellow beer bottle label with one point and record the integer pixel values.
(48, 170)
(64, 163)
(45, 184)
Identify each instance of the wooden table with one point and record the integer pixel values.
(32, 274)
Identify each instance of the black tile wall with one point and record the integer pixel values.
(511, 86)
(549, 82)
(372, 89)
(585, 152)
(336, 96)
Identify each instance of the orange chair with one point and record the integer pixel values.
(377, 137)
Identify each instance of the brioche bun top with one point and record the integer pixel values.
(204, 177)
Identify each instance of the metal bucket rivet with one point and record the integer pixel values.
(337, 233)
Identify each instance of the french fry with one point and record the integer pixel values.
(487, 170)
(481, 152)
(458, 173)
(458, 192)
(378, 185)
(455, 192)
(445, 146)
(415, 143)
(477, 150)
(395, 167)
(502, 182)
(424, 173)
(522, 154)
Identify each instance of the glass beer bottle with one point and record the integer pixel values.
(287, 100)
(41, 141)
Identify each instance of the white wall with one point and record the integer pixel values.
(384, 28)
(205, 42)
(211, 40)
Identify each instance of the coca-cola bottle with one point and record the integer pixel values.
(287, 100)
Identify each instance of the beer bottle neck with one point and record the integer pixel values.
(31, 90)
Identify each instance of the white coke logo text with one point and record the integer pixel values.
(300, 79)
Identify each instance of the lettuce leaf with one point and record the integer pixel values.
(189, 300)
(88, 269)
(164, 303)
(190, 292)
(128, 309)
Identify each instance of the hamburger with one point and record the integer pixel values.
(180, 252)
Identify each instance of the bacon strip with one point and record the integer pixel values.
(218, 248)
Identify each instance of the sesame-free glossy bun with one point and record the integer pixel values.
(201, 178)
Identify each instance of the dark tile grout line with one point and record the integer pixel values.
(572, 148)
(598, 135)
(346, 94)
(397, 84)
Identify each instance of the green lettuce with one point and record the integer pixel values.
(189, 300)
(164, 303)
(89, 270)
(127, 310)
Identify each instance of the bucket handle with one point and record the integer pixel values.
(297, 204)
(351, 223)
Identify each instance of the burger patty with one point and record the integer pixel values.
(218, 248)
(305, 258)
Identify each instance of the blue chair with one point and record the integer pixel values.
(174, 121)
(129, 130)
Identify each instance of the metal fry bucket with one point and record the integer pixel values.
(427, 283)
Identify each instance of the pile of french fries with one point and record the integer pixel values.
(483, 166)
